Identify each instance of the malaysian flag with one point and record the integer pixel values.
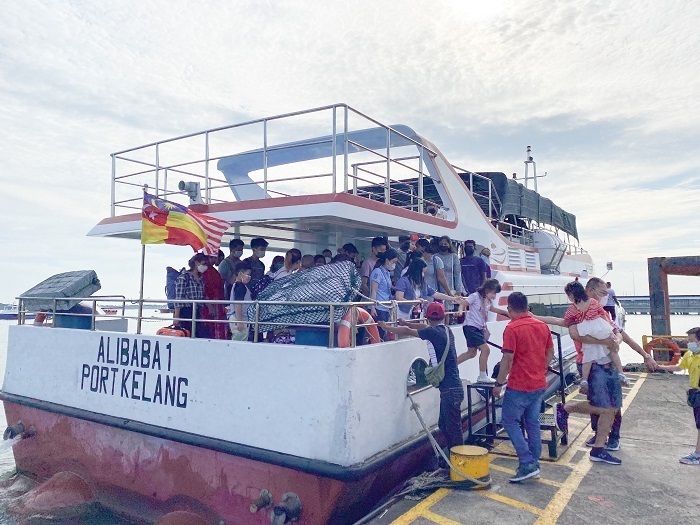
(165, 222)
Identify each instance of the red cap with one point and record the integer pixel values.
(435, 311)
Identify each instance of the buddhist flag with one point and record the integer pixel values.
(165, 222)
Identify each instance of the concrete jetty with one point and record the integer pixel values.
(650, 486)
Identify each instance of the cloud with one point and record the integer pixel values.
(605, 92)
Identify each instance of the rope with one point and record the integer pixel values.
(436, 447)
(423, 482)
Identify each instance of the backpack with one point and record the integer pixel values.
(259, 286)
(171, 275)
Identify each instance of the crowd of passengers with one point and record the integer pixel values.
(416, 269)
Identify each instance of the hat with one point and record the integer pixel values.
(435, 311)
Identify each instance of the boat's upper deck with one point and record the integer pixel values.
(302, 176)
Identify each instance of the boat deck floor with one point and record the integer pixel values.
(650, 486)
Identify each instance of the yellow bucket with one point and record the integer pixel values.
(469, 460)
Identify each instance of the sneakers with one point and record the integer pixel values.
(610, 444)
(690, 459)
(604, 457)
(531, 470)
(483, 378)
(622, 378)
(561, 417)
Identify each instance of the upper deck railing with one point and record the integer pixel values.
(269, 151)
(329, 149)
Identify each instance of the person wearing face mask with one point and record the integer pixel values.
(277, 263)
(189, 286)
(473, 269)
(257, 267)
(327, 255)
(379, 245)
(229, 263)
(453, 276)
(436, 211)
(415, 287)
(402, 254)
(239, 292)
(380, 285)
(475, 331)
(691, 362)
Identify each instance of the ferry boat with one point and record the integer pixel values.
(243, 432)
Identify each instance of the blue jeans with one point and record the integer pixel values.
(450, 421)
(517, 406)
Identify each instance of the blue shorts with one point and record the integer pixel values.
(604, 388)
(474, 336)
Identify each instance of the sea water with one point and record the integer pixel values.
(636, 326)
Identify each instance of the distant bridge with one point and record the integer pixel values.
(679, 304)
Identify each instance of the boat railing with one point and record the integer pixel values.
(144, 312)
(488, 200)
(341, 153)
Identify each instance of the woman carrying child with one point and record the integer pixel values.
(590, 318)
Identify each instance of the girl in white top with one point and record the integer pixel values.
(475, 331)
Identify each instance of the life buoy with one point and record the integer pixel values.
(39, 319)
(670, 343)
(363, 318)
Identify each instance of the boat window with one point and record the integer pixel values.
(415, 379)
(552, 305)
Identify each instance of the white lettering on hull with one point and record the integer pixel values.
(160, 388)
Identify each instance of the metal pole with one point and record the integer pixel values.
(265, 157)
(257, 320)
(143, 261)
(194, 319)
(420, 181)
(113, 186)
(206, 168)
(387, 190)
(489, 200)
(345, 150)
(353, 327)
(157, 167)
(331, 326)
(333, 148)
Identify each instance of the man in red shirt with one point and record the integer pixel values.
(527, 350)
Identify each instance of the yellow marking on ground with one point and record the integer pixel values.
(511, 472)
(558, 503)
(512, 502)
(418, 511)
(436, 518)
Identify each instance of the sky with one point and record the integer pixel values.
(606, 93)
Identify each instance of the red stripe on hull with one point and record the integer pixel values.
(119, 463)
(145, 476)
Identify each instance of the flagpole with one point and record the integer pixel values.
(143, 260)
(143, 264)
